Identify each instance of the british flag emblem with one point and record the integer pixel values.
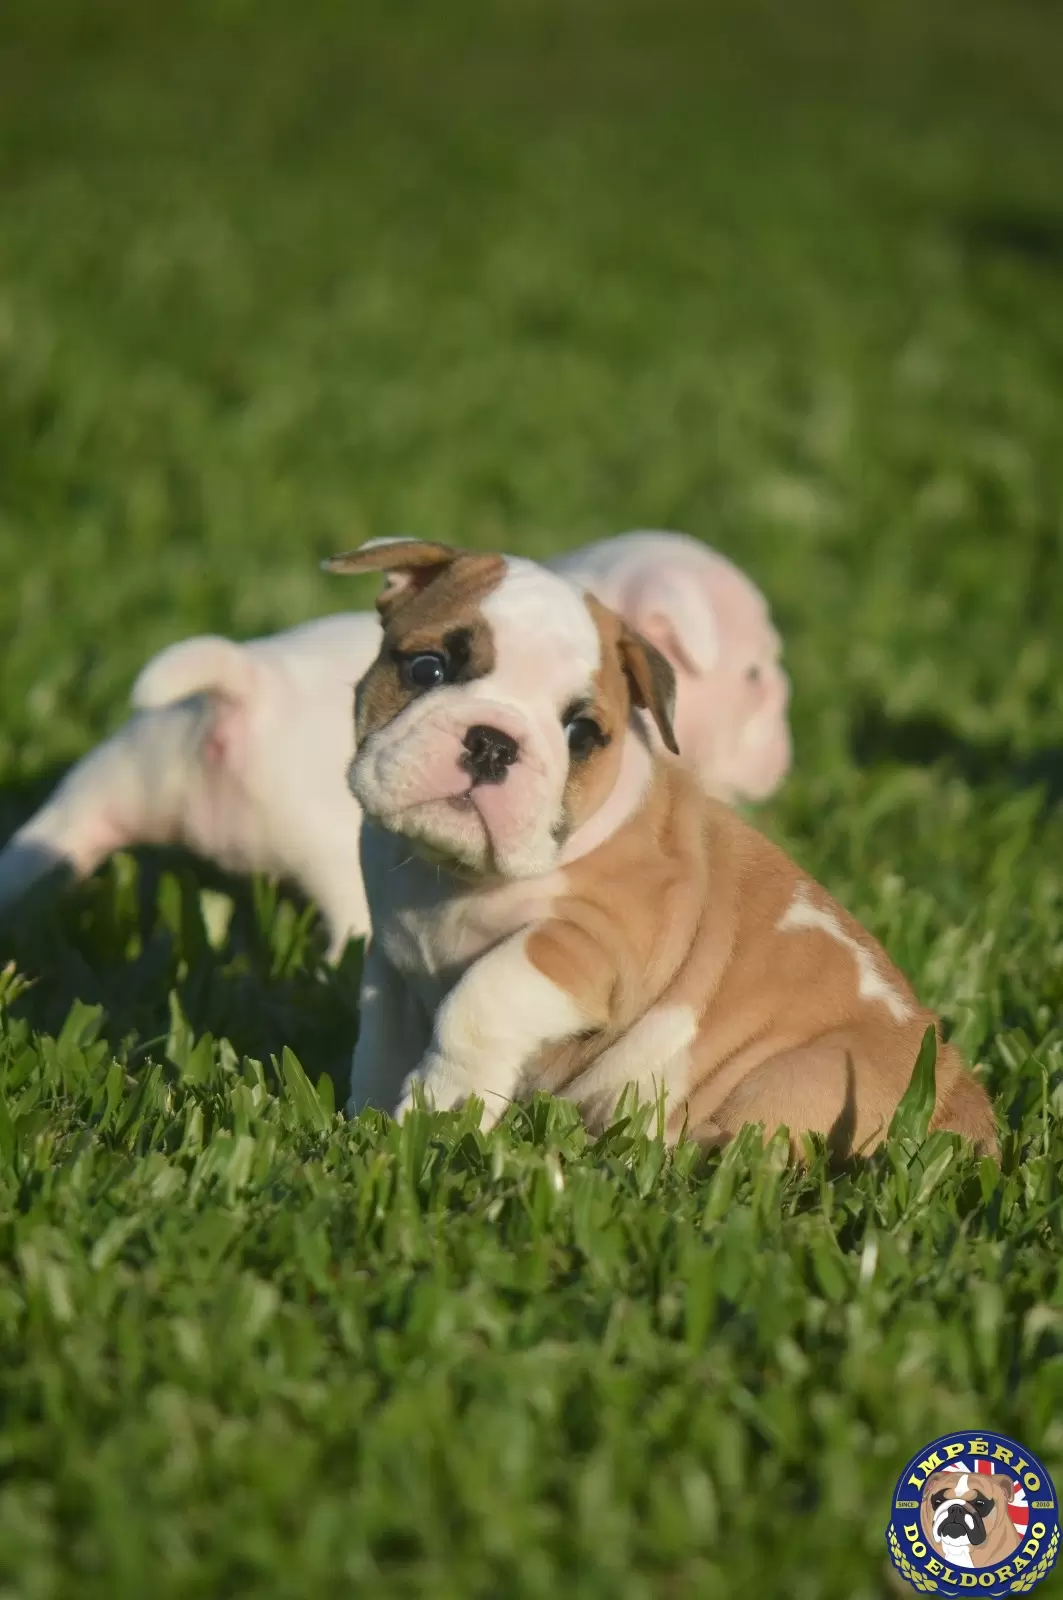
(1018, 1510)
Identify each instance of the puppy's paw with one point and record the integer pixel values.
(434, 1084)
(442, 1085)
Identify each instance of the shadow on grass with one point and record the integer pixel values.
(21, 797)
(926, 740)
(1033, 237)
(244, 957)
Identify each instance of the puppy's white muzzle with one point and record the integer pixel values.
(469, 776)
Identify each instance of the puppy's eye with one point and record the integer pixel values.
(982, 1504)
(753, 673)
(583, 735)
(426, 670)
(936, 1499)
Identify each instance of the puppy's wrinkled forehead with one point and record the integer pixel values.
(546, 642)
(452, 601)
(510, 619)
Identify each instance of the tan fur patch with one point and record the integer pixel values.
(682, 907)
(632, 673)
(651, 679)
(407, 565)
(591, 777)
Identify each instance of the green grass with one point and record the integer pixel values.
(276, 278)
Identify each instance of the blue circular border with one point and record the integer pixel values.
(918, 1574)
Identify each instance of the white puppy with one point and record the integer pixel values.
(714, 628)
(239, 751)
(235, 751)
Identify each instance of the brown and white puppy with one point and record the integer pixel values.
(965, 1517)
(556, 906)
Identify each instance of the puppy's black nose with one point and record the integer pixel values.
(488, 752)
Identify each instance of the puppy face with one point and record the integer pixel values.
(747, 749)
(491, 725)
(715, 628)
(967, 1512)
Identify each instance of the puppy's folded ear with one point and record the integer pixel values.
(672, 613)
(651, 680)
(408, 565)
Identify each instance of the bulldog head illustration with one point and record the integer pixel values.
(966, 1516)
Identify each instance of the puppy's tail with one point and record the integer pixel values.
(965, 1108)
(207, 664)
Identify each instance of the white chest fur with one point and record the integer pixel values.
(430, 924)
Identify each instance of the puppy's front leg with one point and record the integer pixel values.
(534, 989)
(392, 1035)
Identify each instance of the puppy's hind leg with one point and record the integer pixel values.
(653, 1057)
(129, 790)
(818, 1088)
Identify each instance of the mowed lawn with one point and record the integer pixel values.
(276, 278)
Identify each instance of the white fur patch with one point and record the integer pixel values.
(801, 916)
(493, 1022)
(760, 730)
(654, 1055)
(433, 925)
(650, 573)
(680, 601)
(546, 642)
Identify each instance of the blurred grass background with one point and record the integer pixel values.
(276, 278)
(273, 278)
